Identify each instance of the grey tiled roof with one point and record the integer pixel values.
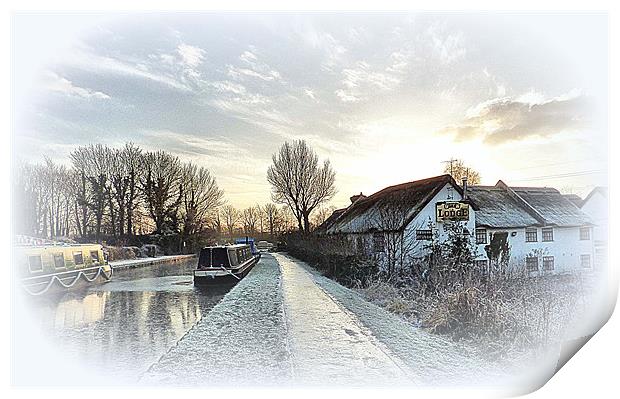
(553, 206)
(500, 206)
(497, 209)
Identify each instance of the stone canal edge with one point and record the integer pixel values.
(286, 324)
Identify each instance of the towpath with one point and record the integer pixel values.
(285, 324)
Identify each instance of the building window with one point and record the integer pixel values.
(585, 261)
(424, 235)
(531, 262)
(548, 263)
(584, 233)
(34, 263)
(78, 258)
(547, 234)
(378, 242)
(59, 261)
(531, 235)
(94, 256)
(481, 236)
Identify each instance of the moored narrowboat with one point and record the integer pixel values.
(59, 267)
(224, 264)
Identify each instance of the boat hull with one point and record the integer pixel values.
(223, 276)
(67, 280)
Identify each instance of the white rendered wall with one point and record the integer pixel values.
(566, 248)
(596, 208)
(421, 221)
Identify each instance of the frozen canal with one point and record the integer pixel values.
(124, 326)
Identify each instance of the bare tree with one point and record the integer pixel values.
(201, 196)
(162, 189)
(30, 199)
(92, 163)
(286, 221)
(271, 214)
(250, 217)
(457, 169)
(134, 161)
(299, 182)
(216, 220)
(321, 215)
(231, 217)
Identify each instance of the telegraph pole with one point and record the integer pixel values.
(451, 161)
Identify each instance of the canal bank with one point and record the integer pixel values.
(143, 262)
(286, 325)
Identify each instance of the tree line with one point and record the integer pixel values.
(124, 192)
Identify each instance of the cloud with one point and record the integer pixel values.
(447, 47)
(361, 80)
(92, 62)
(506, 119)
(253, 67)
(345, 97)
(192, 56)
(332, 49)
(309, 93)
(62, 85)
(192, 144)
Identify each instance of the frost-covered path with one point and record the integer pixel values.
(328, 344)
(287, 325)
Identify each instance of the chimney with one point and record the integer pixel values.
(464, 187)
(356, 197)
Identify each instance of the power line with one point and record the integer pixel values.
(562, 175)
(556, 164)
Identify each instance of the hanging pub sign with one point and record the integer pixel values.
(451, 211)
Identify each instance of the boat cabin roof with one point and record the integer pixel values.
(235, 246)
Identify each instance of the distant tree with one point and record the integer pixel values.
(216, 220)
(299, 182)
(286, 221)
(231, 218)
(272, 216)
(321, 215)
(161, 185)
(457, 169)
(200, 197)
(92, 162)
(134, 161)
(250, 217)
(30, 199)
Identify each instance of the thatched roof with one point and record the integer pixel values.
(501, 206)
(395, 205)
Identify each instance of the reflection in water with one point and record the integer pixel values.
(127, 324)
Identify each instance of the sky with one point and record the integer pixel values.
(386, 97)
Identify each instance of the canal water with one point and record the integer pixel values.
(125, 325)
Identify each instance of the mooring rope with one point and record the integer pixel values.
(229, 272)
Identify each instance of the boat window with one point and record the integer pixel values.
(205, 257)
(78, 258)
(34, 262)
(233, 258)
(59, 260)
(94, 256)
(220, 257)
